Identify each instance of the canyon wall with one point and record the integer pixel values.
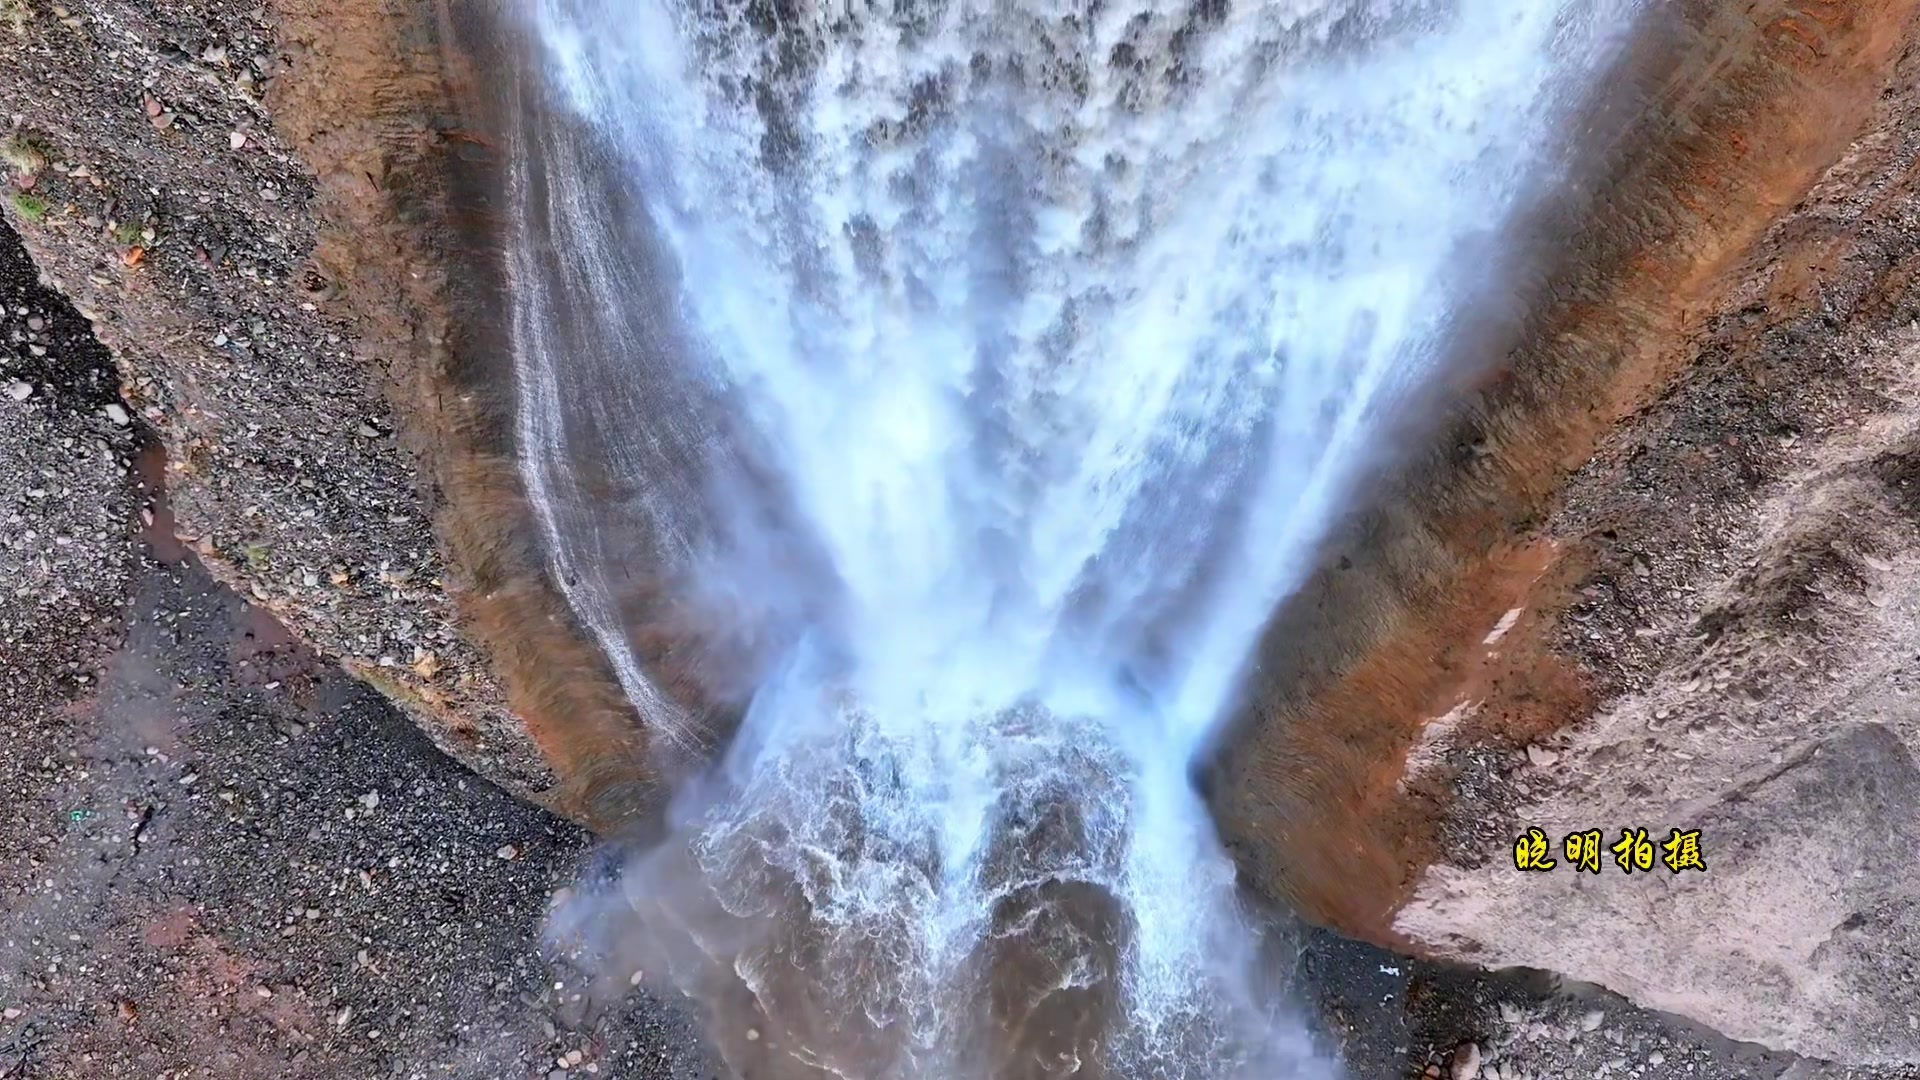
(1651, 575)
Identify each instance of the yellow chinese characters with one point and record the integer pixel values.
(1681, 851)
(1530, 852)
(1583, 850)
(1633, 851)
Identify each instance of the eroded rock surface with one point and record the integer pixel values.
(1744, 602)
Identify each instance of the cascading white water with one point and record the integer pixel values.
(1063, 329)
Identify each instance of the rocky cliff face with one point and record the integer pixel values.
(1655, 576)
(1659, 571)
(1745, 610)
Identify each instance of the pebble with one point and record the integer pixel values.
(557, 1074)
(1592, 1020)
(19, 391)
(237, 139)
(1656, 1059)
(753, 1034)
(1541, 757)
(507, 851)
(36, 323)
(1466, 1061)
(117, 413)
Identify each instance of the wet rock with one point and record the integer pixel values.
(1466, 1062)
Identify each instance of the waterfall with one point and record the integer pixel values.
(989, 371)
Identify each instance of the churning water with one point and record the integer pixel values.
(990, 369)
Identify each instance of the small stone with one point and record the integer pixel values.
(36, 323)
(236, 140)
(367, 431)
(1466, 1061)
(574, 1057)
(557, 1074)
(117, 413)
(19, 391)
(343, 1017)
(1511, 1014)
(370, 800)
(1656, 1059)
(262, 992)
(753, 1034)
(634, 979)
(508, 852)
(1592, 1020)
(1541, 757)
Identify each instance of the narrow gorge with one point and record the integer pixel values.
(1010, 522)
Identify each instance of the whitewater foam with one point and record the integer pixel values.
(1064, 330)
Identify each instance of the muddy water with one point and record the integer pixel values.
(959, 389)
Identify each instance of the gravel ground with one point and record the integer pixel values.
(233, 860)
(147, 177)
(64, 495)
